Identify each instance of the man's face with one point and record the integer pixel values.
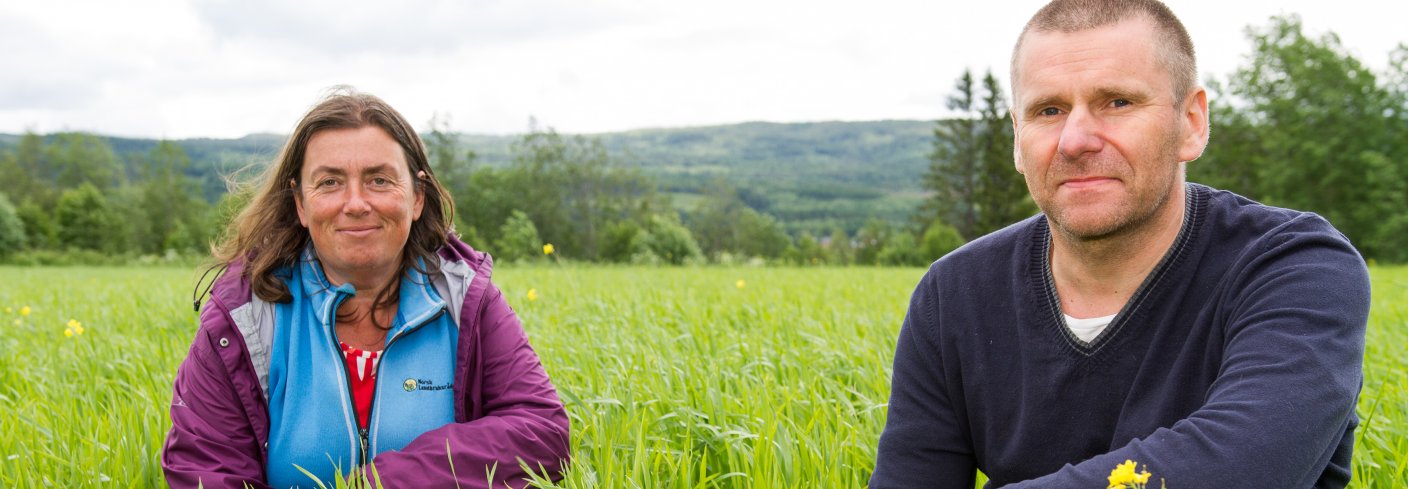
(1100, 138)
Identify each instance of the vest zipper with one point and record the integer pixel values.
(363, 433)
(342, 365)
(376, 374)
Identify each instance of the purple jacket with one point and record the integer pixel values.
(506, 408)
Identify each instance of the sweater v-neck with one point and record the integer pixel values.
(1055, 319)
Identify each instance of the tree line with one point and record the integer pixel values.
(70, 193)
(569, 191)
(70, 198)
(1302, 124)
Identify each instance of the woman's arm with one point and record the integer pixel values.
(211, 442)
(523, 419)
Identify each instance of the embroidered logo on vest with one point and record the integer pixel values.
(412, 385)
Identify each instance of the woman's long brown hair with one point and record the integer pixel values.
(267, 235)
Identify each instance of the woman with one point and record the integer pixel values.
(352, 331)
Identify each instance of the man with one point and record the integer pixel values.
(1214, 341)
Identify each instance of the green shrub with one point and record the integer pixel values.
(901, 250)
(86, 220)
(939, 240)
(668, 240)
(518, 239)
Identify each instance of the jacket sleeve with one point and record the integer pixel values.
(211, 442)
(923, 443)
(522, 418)
(1284, 399)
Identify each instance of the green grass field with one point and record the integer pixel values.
(673, 377)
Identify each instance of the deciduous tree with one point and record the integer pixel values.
(1309, 127)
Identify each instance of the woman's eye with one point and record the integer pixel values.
(327, 182)
(381, 181)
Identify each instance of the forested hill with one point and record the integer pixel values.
(811, 176)
(821, 159)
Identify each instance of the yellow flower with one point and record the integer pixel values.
(1125, 474)
(532, 294)
(740, 283)
(548, 249)
(73, 327)
(24, 311)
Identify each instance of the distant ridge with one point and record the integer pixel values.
(811, 175)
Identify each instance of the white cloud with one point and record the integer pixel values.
(337, 29)
(182, 68)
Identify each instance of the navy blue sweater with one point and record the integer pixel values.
(1236, 364)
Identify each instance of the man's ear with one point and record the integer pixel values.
(1016, 150)
(1196, 126)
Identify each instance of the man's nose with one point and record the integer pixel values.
(1080, 134)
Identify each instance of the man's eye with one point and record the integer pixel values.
(1119, 102)
(381, 181)
(1050, 111)
(327, 182)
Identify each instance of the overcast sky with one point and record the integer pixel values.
(216, 68)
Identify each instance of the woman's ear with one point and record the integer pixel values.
(298, 202)
(420, 195)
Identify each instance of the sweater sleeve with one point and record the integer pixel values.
(523, 420)
(211, 442)
(1284, 399)
(923, 443)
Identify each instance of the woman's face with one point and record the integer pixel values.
(357, 198)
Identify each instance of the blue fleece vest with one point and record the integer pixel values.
(312, 421)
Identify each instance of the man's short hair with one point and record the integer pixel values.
(1069, 16)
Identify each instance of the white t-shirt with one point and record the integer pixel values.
(1088, 329)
